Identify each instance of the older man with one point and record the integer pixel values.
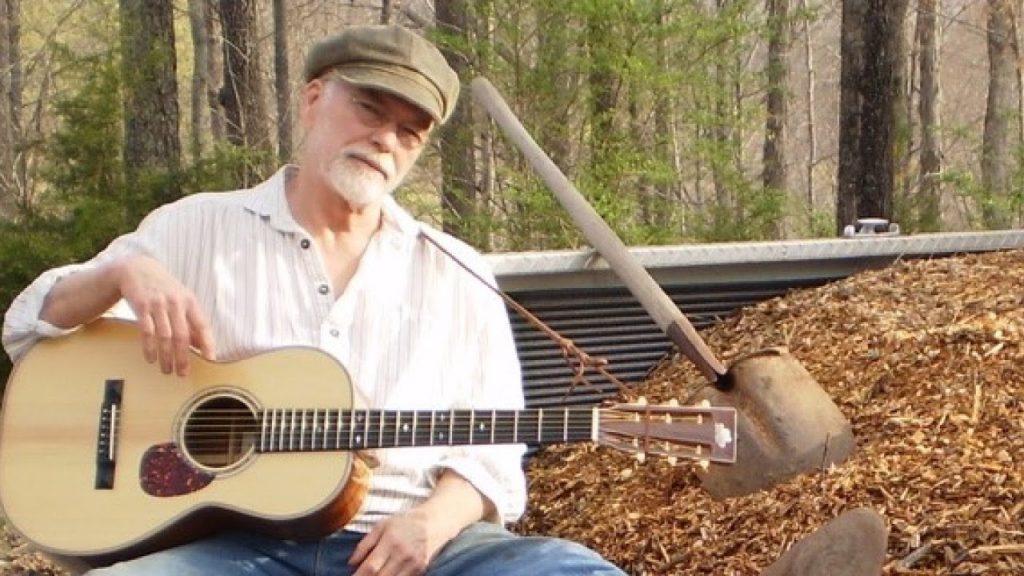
(321, 255)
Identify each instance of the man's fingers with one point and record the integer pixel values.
(180, 339)
(365, 546)
(201, 335)
(148, 333)
(164, 341)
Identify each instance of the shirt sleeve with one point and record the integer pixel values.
(495, 471)
(22, 325)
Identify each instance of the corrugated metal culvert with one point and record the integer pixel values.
(576, 294)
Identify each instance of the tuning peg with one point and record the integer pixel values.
(672, 402)
(641, 457)
(642, 401)
(704, 464)
(672, 460)
(705, 403)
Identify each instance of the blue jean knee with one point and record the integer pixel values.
(484, 549)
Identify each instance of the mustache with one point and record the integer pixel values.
(383, 163)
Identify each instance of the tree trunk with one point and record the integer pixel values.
(774, 174)
(151, 142)
(850, 104)
(242, 94)
(871, 89)
(282, 80)
(883, 90)
(995, 154)
(602, 84)
(812, 141)
(929, 215)
(388, 9)
(458, 163)
(198, 14)
(11, 176)
(214, 69)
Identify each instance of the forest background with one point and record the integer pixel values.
(680, 120)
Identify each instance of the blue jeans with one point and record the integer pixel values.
(482, 549)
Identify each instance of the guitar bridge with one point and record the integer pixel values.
(106, 438)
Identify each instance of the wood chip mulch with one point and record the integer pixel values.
(926, 360)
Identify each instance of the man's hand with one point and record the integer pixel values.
(169, 317)
(404, 544)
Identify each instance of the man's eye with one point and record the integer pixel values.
(413, 134)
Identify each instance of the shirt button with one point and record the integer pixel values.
(334, 332)
(323, 289)
(304, 243)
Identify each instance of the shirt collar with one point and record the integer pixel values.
(268, 200)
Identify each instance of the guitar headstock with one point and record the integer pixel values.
(704, 433)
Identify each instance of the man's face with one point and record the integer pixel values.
(362, 142)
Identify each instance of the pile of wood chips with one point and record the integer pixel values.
(926, 360)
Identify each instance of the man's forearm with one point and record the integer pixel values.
(81, 297)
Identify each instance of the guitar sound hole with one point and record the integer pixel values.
(220, 432)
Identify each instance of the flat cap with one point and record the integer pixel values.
(392, 59)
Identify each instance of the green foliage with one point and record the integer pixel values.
(85, 202)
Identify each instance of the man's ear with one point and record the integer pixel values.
(309, 97)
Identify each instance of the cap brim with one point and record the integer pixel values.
(411, 87)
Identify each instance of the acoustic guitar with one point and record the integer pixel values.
(104, 458)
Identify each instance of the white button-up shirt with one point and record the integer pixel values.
(413, 328)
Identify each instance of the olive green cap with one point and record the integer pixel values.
(392, 59)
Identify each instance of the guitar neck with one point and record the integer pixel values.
(294, 430)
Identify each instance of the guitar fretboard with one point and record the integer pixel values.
(295, 430)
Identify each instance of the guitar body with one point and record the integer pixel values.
(72, 491)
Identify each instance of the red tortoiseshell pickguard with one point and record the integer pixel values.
(165, 472)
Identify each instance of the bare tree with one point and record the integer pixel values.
(872, 85)
(151, 141)
(199, 14)
(458, 164)
(242, 93)
(775, 172)
(388, 9)
(281, 82)
(812, 141)
(929, 204)
(995, 153)
(12, 163)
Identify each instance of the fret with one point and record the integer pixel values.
(263, 433)
(565, 425)
(433, 416)
(451, 425)
(472, 424)
(366, 428)
(302, 430)
(398, 425)
(351, 429)
(337, 430)
(493, 417)
(414, 415)
(540, 424)
(380, 430)
(291, 431)
(314, 429)
(275, 432)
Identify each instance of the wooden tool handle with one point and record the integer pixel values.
(639, 282)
